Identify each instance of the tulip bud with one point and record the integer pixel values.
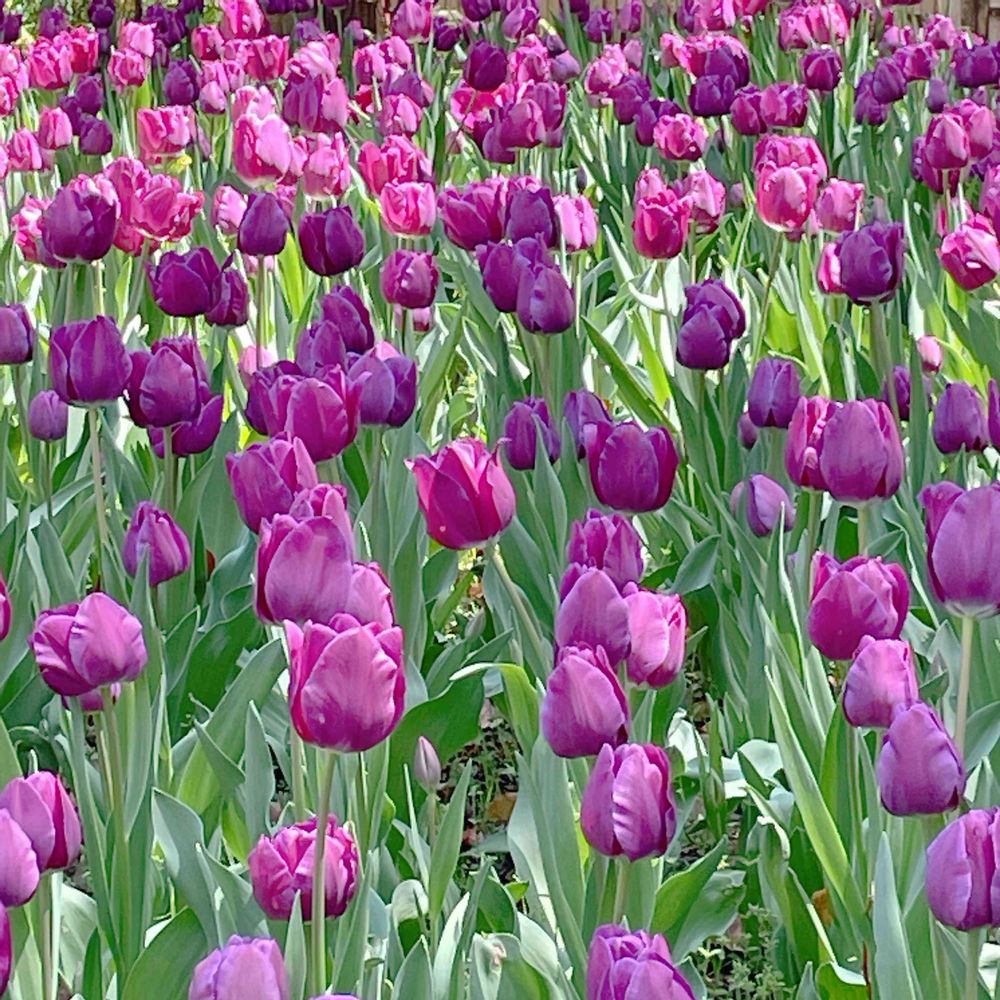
(584, 707)
(409, 279)
(634, 962)
(331, 241)
(851, 600)
(42, 807)
(871, 262)
(774, 392)
(713, 319)
(225, 973)
(592, 613)
(961, 870)
(526, 422)
(960, 420)
(631, 469)
(608, 543)
(766, 502)
(17, 335)
(822, 69)
(266, 478)
(879, 681)
(264, 226)
(426, 765)
(920, 770)
(658, 629)
(581, 407)
(79, 224)
(628, 806)
(747, 431)
(929, 349)
(164, 386)
(18, 864)
(88, 362)
(281, 867)
(48, 416)
(154, 535)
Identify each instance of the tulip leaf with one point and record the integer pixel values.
(444, 856)
(682, 891)
(698, 567)
(164, 968)
(894, 973)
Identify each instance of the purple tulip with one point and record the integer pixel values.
(6, 949)
(766, 501)
(502, 267)
(265, 227)
(631, 469)
(225, 973)
(464, 493)
(42, 807)
(582, 407)
(192, 437)
(657, 625)
(713, 318)
(774, 392)
(229, 299)
(89, 645)
(324, 413)
(584, 706)
(409, 279)
(347, 683)
(182, 283)
(331, 241)
(871, 261)
(485, 66)
(963, 545)
(165, 385)
(17, 335)
(88, 362)
(388, 383)
(180, 83)
(545, 302)
(95, 136)
(526, 422)
(608, 543)
(327, 501)
(344, 308)
(281, 866)
(266, 478)
(822, 69)
(860, 453)
(48, 416)
(632, 965)
(879, 681)
(903, 390)
(154, 535)
(960, 420)
(747, 431)
(369, 598)
(628, 806)
(975, 66)
(962, 866)
(920, 770)
(19, 873)
(79, 224)
(531, 214)
(592, 613)
(851, 600)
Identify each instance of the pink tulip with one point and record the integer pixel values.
(408, 208)
(680, 137)
(262, 149)
(971, 254)
(786, 196)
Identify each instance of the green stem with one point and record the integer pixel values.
(298, 764)
(117, 796)
(517, 599)
(624, 868)
(319, 877)
(964, 680)
(862, 529)
(168, 469)
(99, 503)
(43, 914)
(779, 243)
(882, 355)
(972, 945)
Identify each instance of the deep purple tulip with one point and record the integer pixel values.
(229, 299)
(531, 214)
(225, 973)
(860, 453)
(871, 261)
(331, 241)
(747, 431)
(879, 681)
(920, 770)
(347, 683)
(960, 420)
(281, 867)
(192, 437)
(94, 136)
(154, 535)
(975, 66)
(501, 266)
(822, 69)
(774, 392)
(79, 224)
(851, 600)
(85, 646)
(608, 543)
(631, 469)
(713, 318)
(388, 383)
(182, 282)
(592, 613)
(658, 630)
(584, 705)
(165, 385)
(42, 807)
(180, 83)
(265, 227)
(409, 279)
(323, 412)
(767, 502)
(962, 865)
(19, 873)
(88, 361)
(963, 545)
(632, 965)
(485, 66)
(345, 309)
(582, 407)
(712, 95)
(464, 493)
(48, 416)
(17, 335)
(526, 421)
(628, 806)
(937, 95)
(545, 302)
(888, 81)
(267, 477)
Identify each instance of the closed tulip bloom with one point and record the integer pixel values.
(19, 873)
(369, 598)
(853, 599)
(879, 681)
(502, 265)
(660, 225)
(464, 493)
(680, 137)
(343, 307)
(347, 683)
(267, 477)
(389, 393)
(531, 213)
(323, 412)
(526, 420)
(154, 535)
(903, 390)
(282, 866)
(931, 356)
(963, 877)
(328, 501)
(960, 420)
(485, 66)
(608, 543)
(331, 241)
(920, 770)
(55, 131)
(79, 224)
(631, 469)
(971, 254)
(95, 137)
(786, 196)
(805, 437)
(584, 706)
(974, 66)
(48, 416)
(192, 437)
(784, 105)
(592, 613)
(713, 318)
(230, 299)
(6, 949)
(180, 82)
(861, 455)
(264, 227)
(42, 807)
(747, 431)
(409, 208)
(871, 262)
(658, 631)
(409, 279)
(182, 282)
(88, 361)
(745, 112)
(628, 806)
(838, 205)
(766, 502)
(225, 973)
(963, 544)
(632, 965)
(164, 385)
(17, 335)
(774, 393)
(582, 407)
(545, 302)
(426, 765)
(947, 144)
(577, 221)
(712, 95)
(822, 69)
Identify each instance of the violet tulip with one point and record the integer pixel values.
(713, 318)
(860, 452)
(960, 420)
(264, 228)
(19, 873)
(42, 807)
(766, 502)
(88, 361)
(961, 867)
(871, 262)
(631, 469)
(971, 253)
(48, 416)
(632, 965)
(389, 392)
(79, 224)
(609, 543)
(154, 535)
(331, 241)
(225, 973)
(628, 806)
(582, 407)
(658, 630)
(165, 385)
(774, 392)
(409, 279)
(528, 422)
(267, 477)
(879, 681)
(323, 412)
(592, 613)
(182, 283)
(17, 335)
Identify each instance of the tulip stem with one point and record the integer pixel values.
(43, 914)
(168, 469)
(95, 465)
(623, 870)
(882, 355)
(319, 876)
(375, 492)
(298, 765)
(779, 243)
(964, 679)
(972, 944)
(258, 329)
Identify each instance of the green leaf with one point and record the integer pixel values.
(894, 973)
(444, 857)
(682, 891)
(414, 979)
(698, 568)
(164, 968)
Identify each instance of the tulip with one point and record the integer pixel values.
(961, 871)
(262, 148)
(182, 283)
(974, 66)
(343, 307)
(502, 266)
(485, 66)
(464, 494)
(860, 453)
(903, 389)
(192, 437)
(264, 227)
(88, 362)
(43, 809)
(19, 873)
(267, 477)
(347, 682)
(584, 706)
(767, 502)
(526, 423)
(17, 335)
(95, 138)
(660, 225)
(324, 412)
(545, 302)
(713, 318)
(971, 254)
(851, 600)
(472, 217)
(960, 420)
(920, 770)
(282, 867)
(396, 160)
(879, 681)
(745, 112)
(55, 131)
(224, 974)
(629, 965)
(581, 407)
(592, 613)
(531, 213)
(303, 569)
(871, 262)
(408, 207)
(838, 205)
(786, 196)
(6, 949)
(409, 279)
(680, 137)
(628, 803)
(180, 82)
(822, 69)
(164, 386)
(577, 222)
(747, 431)
(947, 143)
(929, 349)
(426, 765)
(154, 535)
(608, 543)
(805, 437)
(230, 299)
(389, 393)
(48, 416)
(631, 469)
(774, 393)
(963, 530)
(79, 224)
(658, 628)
